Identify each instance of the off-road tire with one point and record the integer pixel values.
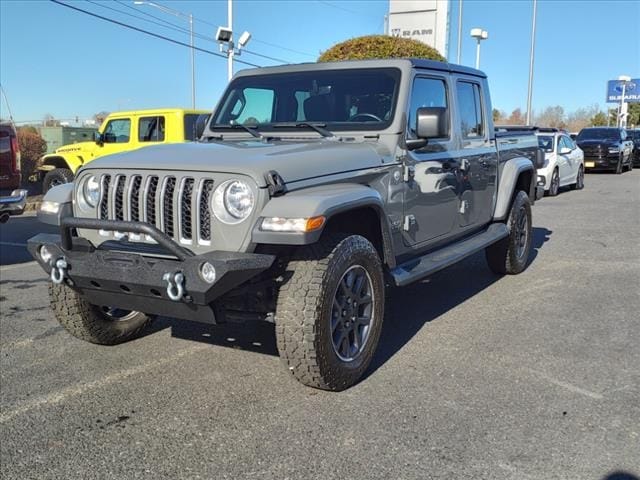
(579, 185)
(88, 322)
(554, 185)
(304, 305)
(502, 257)
(57, 176)
(620, 166)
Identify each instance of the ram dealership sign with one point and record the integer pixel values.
(423, 20)
(631, 91)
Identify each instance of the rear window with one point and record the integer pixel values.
(151, 129)
(190, 120)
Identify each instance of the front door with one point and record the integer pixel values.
(431, 188)
(117, 137)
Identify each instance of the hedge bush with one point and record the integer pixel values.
(379, 46)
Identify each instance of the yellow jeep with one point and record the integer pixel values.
(120, 131)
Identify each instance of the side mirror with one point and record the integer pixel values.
(564, 151)
(539, 160)
(201, 124)
(432, 122)
(98, 138)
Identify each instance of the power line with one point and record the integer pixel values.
(344, 9)
(205, 22)
(147, 32)
(177, 28)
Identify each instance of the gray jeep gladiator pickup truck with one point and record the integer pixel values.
(312, 188)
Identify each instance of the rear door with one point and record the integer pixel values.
(477, 162)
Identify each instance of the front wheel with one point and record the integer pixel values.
(554, 186)
(58, 176)
(579, 185)
(619, 167)
(94, 324)
(510, 255)
(329, 311)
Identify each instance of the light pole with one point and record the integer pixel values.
(622, 117)
(459, 31)
(531, 56)
(479, 35)
(224, 36)
(189, 17)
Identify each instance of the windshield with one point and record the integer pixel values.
(633, 134)
(545, 142)
(346, 99)
(598, 134)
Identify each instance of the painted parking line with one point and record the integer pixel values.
(17, 266)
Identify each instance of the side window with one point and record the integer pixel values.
(427, 92)
(255, 106)
(151, 129)
(118, 131)
(470, 109)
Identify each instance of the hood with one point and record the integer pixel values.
(599, 141)
(76, 147)
(294, 161)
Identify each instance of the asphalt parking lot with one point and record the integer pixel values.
(535, 376)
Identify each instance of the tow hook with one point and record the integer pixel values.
(175, 285)
(58, 271)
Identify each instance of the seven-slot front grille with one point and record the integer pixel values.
(178, 206)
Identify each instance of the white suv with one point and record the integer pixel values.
(563, 161)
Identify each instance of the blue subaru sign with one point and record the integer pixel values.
(631, 91)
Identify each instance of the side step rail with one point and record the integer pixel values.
(430, 263)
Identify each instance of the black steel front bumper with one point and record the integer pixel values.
(133, 276)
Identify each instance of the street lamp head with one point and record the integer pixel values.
(484, 35)
(624, 78)
(223, 35)
(476, 33)
(244, 39)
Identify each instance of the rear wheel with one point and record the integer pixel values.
(510, 255)
(101, 325)
(329, 312)
(58, 176)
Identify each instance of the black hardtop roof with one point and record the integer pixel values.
(405, 63)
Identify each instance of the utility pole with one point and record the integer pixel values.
(230, 51)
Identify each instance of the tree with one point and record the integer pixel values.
(498, 116)
(99, 117)
(599, 120)
(633, 120)
(32, 147)
(582, 118)
(516, 118)
(551, 117)
(379, 46)
(50, 121)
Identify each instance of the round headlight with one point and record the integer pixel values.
(91, 191)
(232, 201)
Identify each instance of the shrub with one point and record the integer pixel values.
(32, 147)
(379, 46)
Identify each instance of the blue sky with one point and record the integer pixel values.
(55, 60)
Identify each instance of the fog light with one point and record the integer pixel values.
(208, 272)
(50, 207)
(45, 254)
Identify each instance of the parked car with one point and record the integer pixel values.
(120, 132)
(12, 199)
(634, 136)
(311, 185)
(563, 162)
(606, 148)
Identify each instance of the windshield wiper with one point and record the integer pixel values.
(318, 127)
(235, 126)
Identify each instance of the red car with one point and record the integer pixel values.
(10, 175)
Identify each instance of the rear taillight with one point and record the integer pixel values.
(15, 158)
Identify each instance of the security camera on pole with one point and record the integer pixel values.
(479, 35)
(622, 116)
(224, 36)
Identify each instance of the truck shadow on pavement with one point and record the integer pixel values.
(408, 309)
(14, 235)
